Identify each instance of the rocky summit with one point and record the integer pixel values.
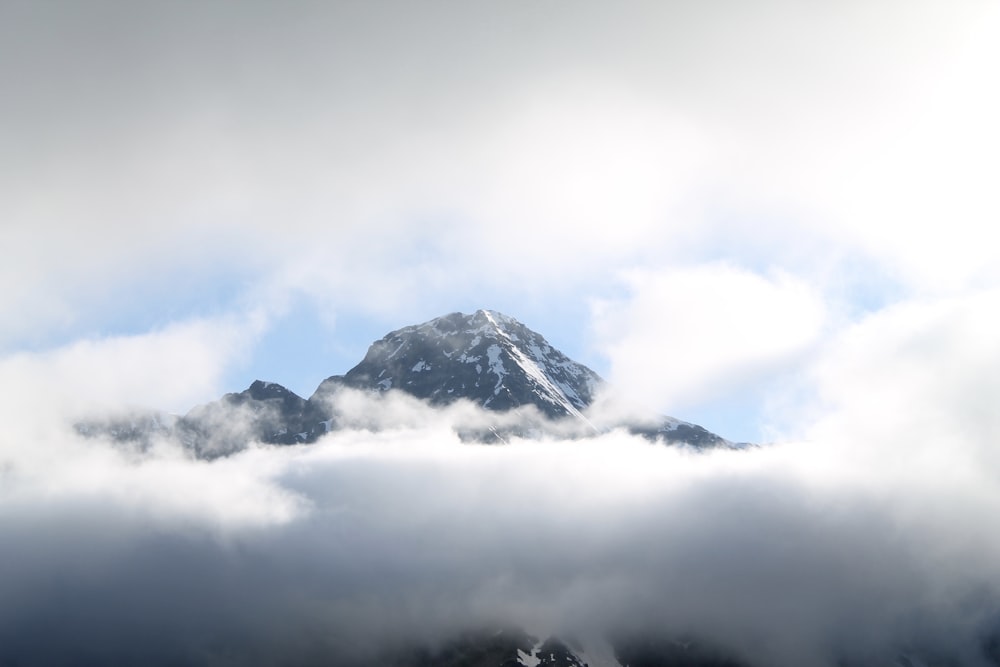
(486, 358)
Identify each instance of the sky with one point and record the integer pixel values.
(695, 202)
(774, 219)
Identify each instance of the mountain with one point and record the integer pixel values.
(265, 412)
(513, 647)
(486, 358)
(524, 387)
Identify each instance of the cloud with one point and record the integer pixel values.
(877, 155)
(170, 368)
(373, 537)
(684, 335)
(927, 368)
(538, 148)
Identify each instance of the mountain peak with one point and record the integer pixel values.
(262, 389)
(486, 357)
(496, 318)
(480, 322)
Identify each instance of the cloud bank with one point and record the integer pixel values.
(852, 546)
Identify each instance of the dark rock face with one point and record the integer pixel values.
(264, 412)
(554, 653)
(991, 646)
(138, 429)
(503, 648)
(672, 430)
(664, 652)
(487, 358)
(498, 364)
(515, 648)
(510, 647)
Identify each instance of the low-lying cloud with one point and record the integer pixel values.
(328, 552)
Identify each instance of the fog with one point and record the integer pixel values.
(795, 554)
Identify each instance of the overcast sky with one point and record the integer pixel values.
(774, 219)
(696, 201)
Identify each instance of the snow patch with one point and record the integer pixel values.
(496, 363)
(671, 424)
(496, 366)
(528, 659)
(541, 376)
(396, 351)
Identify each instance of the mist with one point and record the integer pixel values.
(396, 531)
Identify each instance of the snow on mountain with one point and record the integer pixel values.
(487, 358)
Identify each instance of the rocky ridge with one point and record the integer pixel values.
(486, 358)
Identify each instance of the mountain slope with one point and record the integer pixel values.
(486, 358)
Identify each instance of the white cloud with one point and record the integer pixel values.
(891, 166)
(575, 178)
(692, 334)
(168, 369)
(527, 155)
(374, 537)
(923, 371)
